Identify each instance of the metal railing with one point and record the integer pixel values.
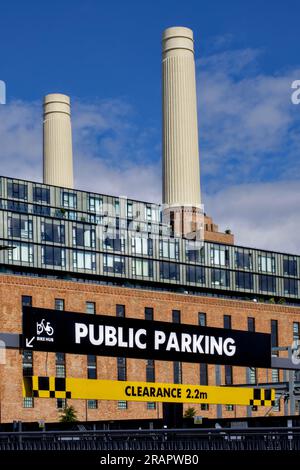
(255, 439)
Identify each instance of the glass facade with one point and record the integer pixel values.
(52, 228)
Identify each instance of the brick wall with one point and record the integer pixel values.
(44, 292)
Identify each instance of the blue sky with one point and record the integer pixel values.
(107, 57)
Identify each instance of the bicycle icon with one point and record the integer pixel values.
(42, 327)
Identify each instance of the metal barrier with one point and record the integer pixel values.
(155, 440)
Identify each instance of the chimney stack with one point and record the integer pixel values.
(181, 172)
(57, 136)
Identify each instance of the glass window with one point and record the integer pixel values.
(122, 405)
(296, 331)
(60, 358)
(150, 371)
(151, 405)
(41, 210)
(90, 308)
(203, 374)
(16, 190)
(290, 266)
(149, 313)
(275, 375)
(26, 301)
(142, 246)
(52, 231)
(59, 304)
(219, 255)
(60, 364)
(61, 403)
(252, 375)
(204, 407)
(194, 252)
(91, 366)
(117, 207)
(169, 271)
(114, 264)
(84, 260)
(227, 322)
(41, 194)
(60, 370)
(243, 258)
(53, 256)
(290, 286)
(195, 274)
(129, 210)
(120, 310)
(177, 372)
(19, 226)
(84, 235)
(266, 262)
(228, 374)
(21, 252)
(276, 407)
(244, 280)
(142, 267)
(220, 277)
(202, 319)
(229, 407)
(176, 316)
(148, 213)
(251, 324)
(169, 249)
(17, 206)
(28, 402)
(121, 366)
(113, 242)
(96, 204)
(267, 283)
(274, 333)
(69, 199)
(92, 404)
(27, 362)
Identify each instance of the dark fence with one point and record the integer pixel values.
(155, 440)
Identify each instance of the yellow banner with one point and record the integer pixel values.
(92, 389)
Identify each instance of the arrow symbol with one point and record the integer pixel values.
(28, 343)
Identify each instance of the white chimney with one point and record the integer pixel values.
(57, 135)
(181, 172)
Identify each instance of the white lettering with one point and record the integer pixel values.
(197, 340)
(186, 342)
(173, 342)
(295, 97)
(110, 336)
(138, 342)
(229, 347)
(96, 342)
(159, 338)
(216, 345)
(81, 331)
(121, 342)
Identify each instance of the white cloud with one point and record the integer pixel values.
(248, 125)
(261, 215)
(21, 140)
(112, 154)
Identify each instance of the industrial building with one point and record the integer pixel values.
(79, 251)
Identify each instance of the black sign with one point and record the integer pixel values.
(70, 332)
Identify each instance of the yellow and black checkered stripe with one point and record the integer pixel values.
(92, 389)
(46, 387)
(262, 397)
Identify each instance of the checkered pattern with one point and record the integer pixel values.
(262, 397)
(48, 387)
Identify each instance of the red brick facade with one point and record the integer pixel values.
(44, 292)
